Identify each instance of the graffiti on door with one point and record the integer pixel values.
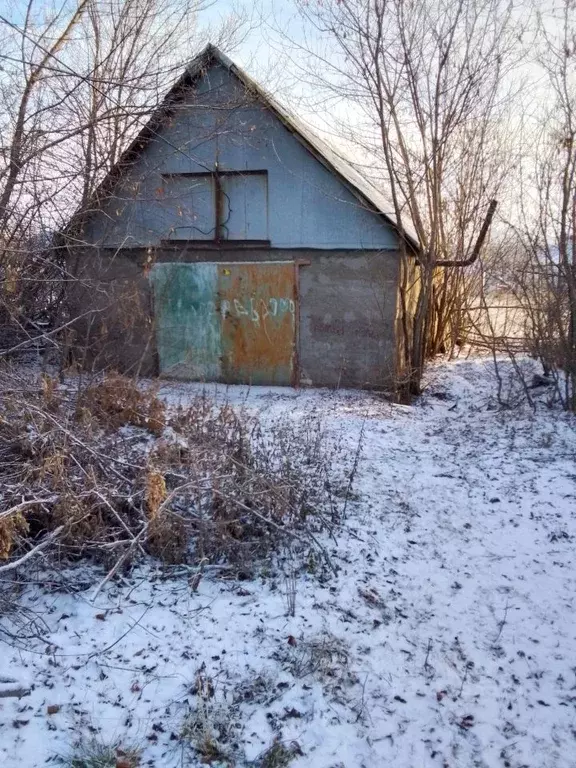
(257, 311)
(234, 322)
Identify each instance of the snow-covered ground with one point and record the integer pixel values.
(447, 638)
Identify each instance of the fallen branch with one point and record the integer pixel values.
(16, 693)
(34, 551)
(48, 334)
(105, 501)
(283, 529)
(26, 504)
(123, 557)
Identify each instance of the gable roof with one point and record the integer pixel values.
(358, 184)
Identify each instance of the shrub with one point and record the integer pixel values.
(117, 400)
(201, 484)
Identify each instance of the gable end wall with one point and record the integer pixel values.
(220, 123)
(347, 292)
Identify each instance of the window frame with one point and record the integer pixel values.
(218, 241)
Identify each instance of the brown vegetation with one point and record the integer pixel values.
(111, 473)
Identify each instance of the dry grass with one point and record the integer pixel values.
(279, 755)
(11, 527)
(96, 754)
(118, 476)
(209, 725)
(117, 401)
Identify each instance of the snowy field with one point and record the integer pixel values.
(446, 639)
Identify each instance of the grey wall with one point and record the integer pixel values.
(308, 207)
(347, 319)
(347, 310)
(111, 301)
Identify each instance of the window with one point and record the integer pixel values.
(189, 204)
(245, 206)
(221, 206)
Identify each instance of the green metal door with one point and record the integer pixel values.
(232, 322)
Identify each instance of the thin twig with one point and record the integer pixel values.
(355, 463)
(26, 504)
(114, 570)
(38, 548)
(118, 640)
(502, 623)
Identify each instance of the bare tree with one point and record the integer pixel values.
(428, 78)
(544, 283)
(78, 83)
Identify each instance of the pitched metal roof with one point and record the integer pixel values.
(332, 159)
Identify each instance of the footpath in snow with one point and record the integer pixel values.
(446, 639)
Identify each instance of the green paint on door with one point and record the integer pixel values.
(187, 321)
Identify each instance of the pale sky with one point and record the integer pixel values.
(267, 54)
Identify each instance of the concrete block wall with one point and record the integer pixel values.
(347, 310)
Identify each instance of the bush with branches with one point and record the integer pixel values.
(110, 473)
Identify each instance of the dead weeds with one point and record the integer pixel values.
(117, 401)
(117, 475)
(279, 755)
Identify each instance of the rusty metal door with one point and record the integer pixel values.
(258, 309)
(231, 322)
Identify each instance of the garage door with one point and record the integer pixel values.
(231, 322)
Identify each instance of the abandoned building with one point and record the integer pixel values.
(231, 244)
